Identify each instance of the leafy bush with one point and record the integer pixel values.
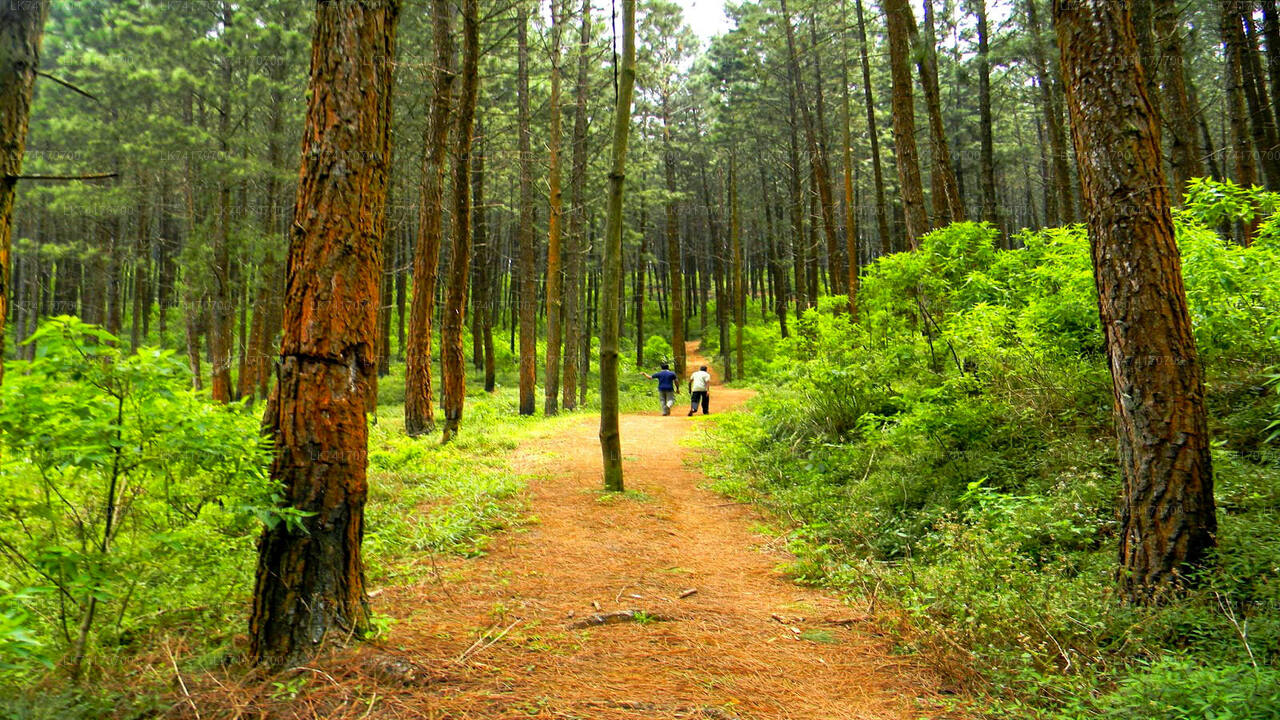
(128, 496)
(952, 452)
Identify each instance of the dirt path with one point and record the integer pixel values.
(748, 644)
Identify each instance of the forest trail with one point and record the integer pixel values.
(493, 640)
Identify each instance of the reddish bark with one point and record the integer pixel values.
(310, 578)
(1168, 520)
(21, 32)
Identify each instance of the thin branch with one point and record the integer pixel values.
(69, 86)
(90, 176)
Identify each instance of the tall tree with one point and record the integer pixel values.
(877, 169)
(554, 290)
(850, 212)
(575, 246)
(419, 406)
(900, 21)
(1185, 153)
(1051, 107)
(21, 34)
(986, 162)
(948, 206)
(611, 305)
(528, 299)
(1168, 521)
(453, 369)
(310, 579)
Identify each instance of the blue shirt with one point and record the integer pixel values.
(666, 380)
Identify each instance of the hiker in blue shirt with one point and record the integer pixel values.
(666, 387)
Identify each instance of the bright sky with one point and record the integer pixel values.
(706, 17)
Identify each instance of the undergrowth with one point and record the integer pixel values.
(951, 455)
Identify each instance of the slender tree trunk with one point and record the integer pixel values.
(676, 280)
(1241, 149)
(485, 258)
(141, 269)
(453, 361)
(1261, 117)
(882, 208)
(1185, 151)
(610, 437)
(817, 158)
(221, 309)
(1271, 34)
(419, 405)
(555, 270)
(1052, 109)
(575, 244)
(1168, 521)
(850, 212)
(837, 265)
(310, 580)
(948, 206)
(899, 21)
(524, 231)
(735, 240)
(986, 163)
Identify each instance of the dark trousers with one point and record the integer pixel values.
(699, 396)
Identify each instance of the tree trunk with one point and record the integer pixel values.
(1241, 149)
(310, 579)
(850, 212)
(735, 241)
(676, 279)
(575, 245)
(817, 158)
(1185, 152)
(1261, 118)
(1051, 107)
(986, 163)
(610, 437)
(528, 265)
(221, 309)
(453, 359)
(948, 206)
(899, 20)
(419, 405)
(1168, 520)
(882, 208)
(555, 270)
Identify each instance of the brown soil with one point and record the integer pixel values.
(493, 638)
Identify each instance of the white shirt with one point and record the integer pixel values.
(699, 381)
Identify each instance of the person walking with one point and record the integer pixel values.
(666, 387)
(700, 391)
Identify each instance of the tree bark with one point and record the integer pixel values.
(310, 580)
(1168, 521)
(1241, 149)
(675, 277)
(1051, 107)
(555, 269)
(735, 241)
(453, 359)
(610, 436)
(899, 20)
(419, 406)
(877, 168)
(575, 246)
(986, 162)
(850, 212)
(528, 280)
(1185, 151)
(948, 206)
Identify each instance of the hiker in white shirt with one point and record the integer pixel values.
(699, 387)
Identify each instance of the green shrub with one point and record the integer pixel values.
(128, 495)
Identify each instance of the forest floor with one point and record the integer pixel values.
(715, 628)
